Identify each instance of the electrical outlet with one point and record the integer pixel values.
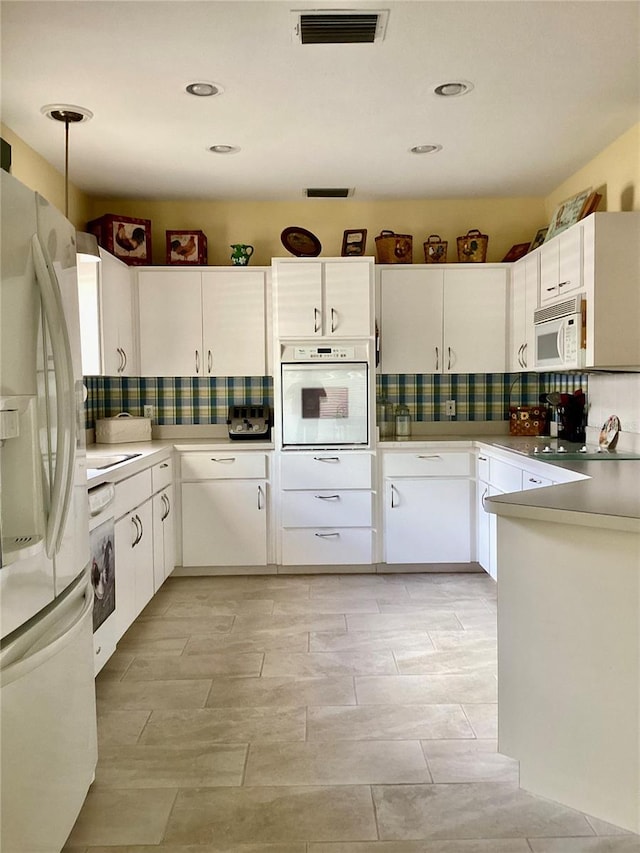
(450, 407)
(148, 411)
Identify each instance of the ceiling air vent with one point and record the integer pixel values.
(339, 26)
(330, 192)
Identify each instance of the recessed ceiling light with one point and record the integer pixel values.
(453, 88)
(204, 90)
(425, 149)
(224, 149)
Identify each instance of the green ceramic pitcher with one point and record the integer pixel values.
(241, 254)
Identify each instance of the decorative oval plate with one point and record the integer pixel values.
(609, 432)
(300, 242)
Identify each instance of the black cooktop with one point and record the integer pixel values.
(548, 449)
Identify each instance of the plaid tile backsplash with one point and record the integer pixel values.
(191, 400)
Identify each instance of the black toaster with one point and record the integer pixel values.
(250, 422)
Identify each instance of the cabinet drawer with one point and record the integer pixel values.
(326, 508)
(132, 492)
(326, 546)
(223, 465)
(326, 470)
(162, 475)
(534, 481)
(505, 477)
(483, 467)
(427, 463)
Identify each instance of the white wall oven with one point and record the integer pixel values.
(324, 396)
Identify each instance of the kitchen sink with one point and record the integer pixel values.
(101, 463)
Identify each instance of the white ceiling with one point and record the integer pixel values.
(554, 83)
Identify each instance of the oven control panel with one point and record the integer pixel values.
(323, 353)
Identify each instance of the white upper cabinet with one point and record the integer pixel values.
(524, 284)
(105, 295)
(330, 298)
(202, 322)
(561, 265)
(444, 320)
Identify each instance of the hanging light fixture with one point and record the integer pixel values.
(86, 244)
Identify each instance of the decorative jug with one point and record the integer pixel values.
(241, 254)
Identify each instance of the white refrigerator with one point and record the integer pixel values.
(48, 746)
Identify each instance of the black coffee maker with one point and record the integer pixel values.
(572, 417)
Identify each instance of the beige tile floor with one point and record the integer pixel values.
(315, 714)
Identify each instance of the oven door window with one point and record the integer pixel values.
(324, 404)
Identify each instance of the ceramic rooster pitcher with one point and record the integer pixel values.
(240, 254)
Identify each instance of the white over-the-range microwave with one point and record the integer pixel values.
(559, 332)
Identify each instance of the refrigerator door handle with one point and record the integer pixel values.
(63, 368)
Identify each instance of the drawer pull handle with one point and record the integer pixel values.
(326, 458)
(164, 465)
(327, 535)
(98, 650)
(533, 480)
(327, 497)
(483, 459)
(431, 456)
(223, 458)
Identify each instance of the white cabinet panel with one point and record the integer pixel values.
(561, 265)
(347, 302)
(298, 290)
(327, 508)
(524, 286)
(224, 523)
(326, 546)
(224, 465)
(163, 536)
(170, 312)
(161, 475)
(326, 470)
(233, 323)
(427, 520)
(428, 464)
(412, 310)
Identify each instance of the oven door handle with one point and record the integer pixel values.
(326, 458)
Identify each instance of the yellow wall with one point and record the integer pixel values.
(506, 221)
(38, 174)
(615, 173)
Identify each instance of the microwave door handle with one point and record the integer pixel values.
(560, 340)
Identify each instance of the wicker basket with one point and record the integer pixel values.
(394, 248)
(472, 248)
(435, 250)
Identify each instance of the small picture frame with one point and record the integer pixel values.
(353, 243)
(186, 248)
(567, 213)
(538, 240)
(127, 238)
(517, 251)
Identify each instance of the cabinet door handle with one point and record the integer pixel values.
(449, 362)
(326, 458)
(524, 354)
(230, 459)
(437, 359)
(121, 363)
(141, 528)
(124, 356)
(197, 361)
(327, 497)
(316, 320)
(165, 501)
(484, 495)
(520, 355)
(166, 497)
(431, 456)
(549, 289)
(333, 320)
(209, 361)
(564, 283)
(134, 521)
(393, 493)
(327, 535)
(260, 498)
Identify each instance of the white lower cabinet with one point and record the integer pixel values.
(224, 509)
(427, 506)
(134, 564)
(326, 508)
(427, 520)
(164, 538)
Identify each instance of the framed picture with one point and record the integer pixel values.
(516, 252)
(125, 237)
(538, 240)
(353, 243)
(591, 204)
(186, 247)
(567, 213)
